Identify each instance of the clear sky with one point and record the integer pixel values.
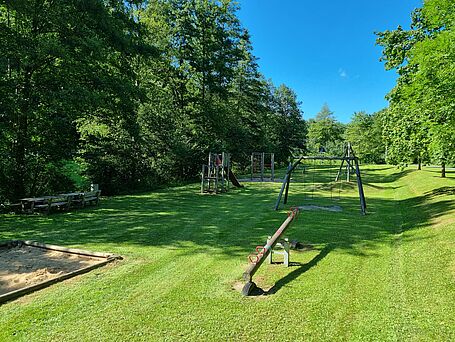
(325, 50)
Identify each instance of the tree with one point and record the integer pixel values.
(325, 134)
(421, 114)
(364, 132)
(288, 129)
(130, 94)
(64, 64)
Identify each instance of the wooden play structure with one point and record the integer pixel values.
(265, 252)
(217, 175)
(263, 166)
(348, 160)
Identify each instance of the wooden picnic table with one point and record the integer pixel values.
(73, 194)
(28, 204)
(60, 201)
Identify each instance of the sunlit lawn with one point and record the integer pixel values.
(389, 275)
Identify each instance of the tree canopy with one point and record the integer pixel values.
(131, 94)
(420, 120)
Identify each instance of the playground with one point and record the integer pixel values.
(388, 275)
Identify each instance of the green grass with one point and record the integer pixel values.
(389, 275)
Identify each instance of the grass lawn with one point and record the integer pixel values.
(389, 275)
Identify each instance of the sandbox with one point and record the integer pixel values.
(27, 266)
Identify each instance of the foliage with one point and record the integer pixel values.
(364, 277)
(420, 122)
(325, 133)
(287, 128)
(135, 92)
(364, 132)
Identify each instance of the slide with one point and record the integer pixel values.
(234, 180)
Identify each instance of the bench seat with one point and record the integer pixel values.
(55, 202)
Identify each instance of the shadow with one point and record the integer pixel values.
(299, 271)
(232, 224)
(446, 190)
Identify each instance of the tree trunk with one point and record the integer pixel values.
(21, 142)
(419, 164)
(443, 170)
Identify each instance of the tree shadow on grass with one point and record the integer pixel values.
(446, 190)
(229, 225)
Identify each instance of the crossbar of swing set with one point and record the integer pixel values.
(323, 158)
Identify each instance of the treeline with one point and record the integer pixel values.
(134, 94)
(419, 125)
(131, 94)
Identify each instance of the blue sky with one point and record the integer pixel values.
(325, 50)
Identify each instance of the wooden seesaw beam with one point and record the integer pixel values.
(263, 252)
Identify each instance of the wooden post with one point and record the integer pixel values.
(339, 171)
(272, 161)
(291, 167)
(348, 171)
(287, 188)
(228, 160)
(363, 205)
(217, 174)
(223, 170)
(252, 164)
(262, 166)
(209, 173)
(202, 179)
(285, 181)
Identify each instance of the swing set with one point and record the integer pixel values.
(349, 164)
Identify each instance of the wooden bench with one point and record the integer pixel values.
(92, 197)
(59, 202)
(84, 198)
(7, 208)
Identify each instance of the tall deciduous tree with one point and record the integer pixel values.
(421, 114)
(364, 132)
(288, 129)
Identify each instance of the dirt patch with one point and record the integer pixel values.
(334, 208)
(23, 266)
(260, 292)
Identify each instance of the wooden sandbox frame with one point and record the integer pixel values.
(31, 288)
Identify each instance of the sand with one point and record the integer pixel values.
(24, 266)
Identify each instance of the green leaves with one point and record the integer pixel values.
(325, 133)
(421, 119)
(364, 132)
(134, 92)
